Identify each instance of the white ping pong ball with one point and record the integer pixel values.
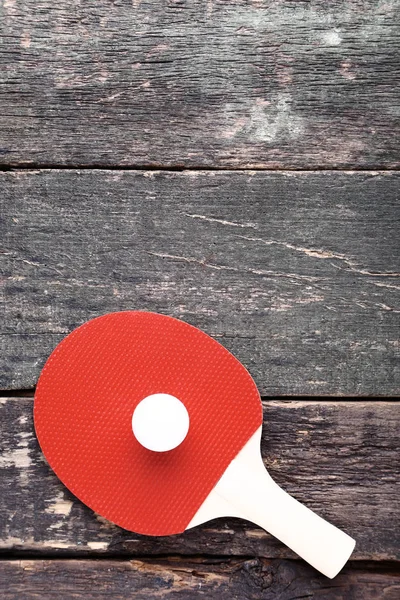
(160, 422)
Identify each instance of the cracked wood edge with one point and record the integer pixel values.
(339, 458)
(295, 273)
(266, 84)
(191, 577)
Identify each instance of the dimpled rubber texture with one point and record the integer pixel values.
(83, 408)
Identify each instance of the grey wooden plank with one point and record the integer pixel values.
(295, 273)
(189, 579)
(339, 458)
(267, 84)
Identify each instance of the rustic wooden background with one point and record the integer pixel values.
(234, 164)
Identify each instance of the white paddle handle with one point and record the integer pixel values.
(247, 490)
(321, 544)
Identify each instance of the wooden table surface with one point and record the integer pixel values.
(236, 165)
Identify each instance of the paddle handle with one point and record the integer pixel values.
(247, 490)
(320, 543)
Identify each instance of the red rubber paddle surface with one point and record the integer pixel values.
(83, 408)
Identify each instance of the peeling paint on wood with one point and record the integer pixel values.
(250, 579)
(338, 458)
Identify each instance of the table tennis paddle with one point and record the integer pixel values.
(156, 427)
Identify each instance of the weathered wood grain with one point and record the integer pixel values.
(253, 579)
(238, 84)
(339, 458)
(296, 273)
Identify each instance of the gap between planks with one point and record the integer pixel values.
(182, 168)
(27, 394)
